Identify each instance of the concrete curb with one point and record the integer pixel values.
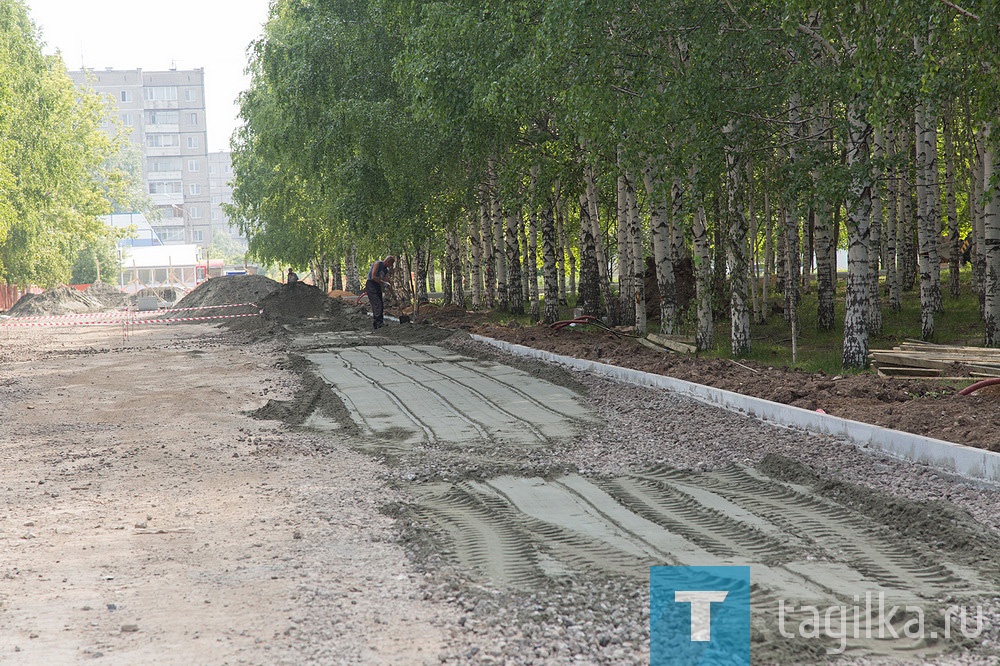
(948, 456)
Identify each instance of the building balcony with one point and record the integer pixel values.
(165, 175)
(167, 199)
(166, 151)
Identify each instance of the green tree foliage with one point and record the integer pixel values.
(55, 176)
(385, 123)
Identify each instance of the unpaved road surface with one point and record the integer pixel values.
(329, 496)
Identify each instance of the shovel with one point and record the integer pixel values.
(403, 318)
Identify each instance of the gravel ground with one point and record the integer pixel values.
(340, 566)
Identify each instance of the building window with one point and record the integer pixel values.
(195, 212)
(192, 142)
(190, 95)
(161, 93)
(161, 165)
(162, 140)
(166, 187)
(194, 166)
(127, 119)
(194, 189)
(170, 235)
(211, 169)
(126, 96)
(193, 118)
(197, 235)
(162, 117)
(215, 216)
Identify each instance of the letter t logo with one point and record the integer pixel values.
(701, 610)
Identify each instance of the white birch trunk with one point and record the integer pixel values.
(858, 238)
(926, 239)
(991, 241)
(476, 269)
(636, 256)
(892, 223)
(875, 302)
(951, 203)
(736, 250)
(661, 250)
(550, 266)
(703, 280)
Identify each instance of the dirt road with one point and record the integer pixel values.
(329, 496)
(148, 520)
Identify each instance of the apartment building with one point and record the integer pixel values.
(165, 111)
(220, 175)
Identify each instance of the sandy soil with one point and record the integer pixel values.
(148, 519)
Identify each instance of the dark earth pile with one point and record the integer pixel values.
(230, 290)
(58, 301)
(107, 295)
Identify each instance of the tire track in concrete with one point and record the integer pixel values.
(423, 375)
(362, 396)
(447, 400)
(800, 546)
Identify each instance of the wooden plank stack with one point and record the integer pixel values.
(916, 359)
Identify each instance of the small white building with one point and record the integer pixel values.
(174, 266)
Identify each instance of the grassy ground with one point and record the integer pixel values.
(822, 350)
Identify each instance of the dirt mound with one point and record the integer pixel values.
(230, 290)
(295, 301)
(288, 304)
(58, 301)
(106, 294)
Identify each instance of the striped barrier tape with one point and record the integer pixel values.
(170, 321)
(21, 324)
(116, 313)
(118, 322)
(119, 314)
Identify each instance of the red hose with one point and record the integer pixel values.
(968, 390)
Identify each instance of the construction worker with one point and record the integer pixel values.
(292, 277)
(378, 277)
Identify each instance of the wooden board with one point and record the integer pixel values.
(673, 345)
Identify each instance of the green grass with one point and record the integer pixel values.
(822, 350)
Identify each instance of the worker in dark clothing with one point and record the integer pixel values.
(292, 277)
(378, 277)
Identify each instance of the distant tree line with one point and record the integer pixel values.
(735, 143)
(58, 170)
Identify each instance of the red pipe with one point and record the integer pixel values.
(968, 390)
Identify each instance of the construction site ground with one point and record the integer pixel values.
(296, 489)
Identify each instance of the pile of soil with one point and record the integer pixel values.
(230, 290)
(58, 301)
(108, 295)
(293, 302)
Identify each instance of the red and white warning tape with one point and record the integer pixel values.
(170, 321)
(15, 323)
(118, 322)
(106, 315)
